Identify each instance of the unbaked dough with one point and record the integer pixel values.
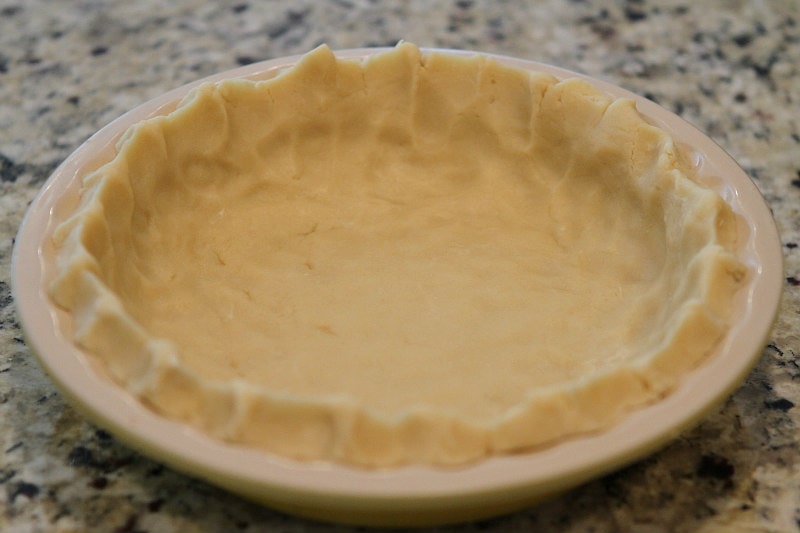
(412, 258)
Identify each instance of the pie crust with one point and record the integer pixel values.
(415, 258)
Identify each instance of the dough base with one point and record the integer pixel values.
(410, 259)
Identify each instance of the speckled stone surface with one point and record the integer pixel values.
(728, 66)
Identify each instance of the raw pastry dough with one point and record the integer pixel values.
(414, 258)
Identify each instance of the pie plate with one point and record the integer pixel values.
(411, 495)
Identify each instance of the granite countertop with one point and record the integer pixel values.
(729, 67)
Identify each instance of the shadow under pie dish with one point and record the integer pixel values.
(413, 258)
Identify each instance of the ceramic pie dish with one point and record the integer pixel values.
(420, 493)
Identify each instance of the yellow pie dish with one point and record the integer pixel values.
(317, 281)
